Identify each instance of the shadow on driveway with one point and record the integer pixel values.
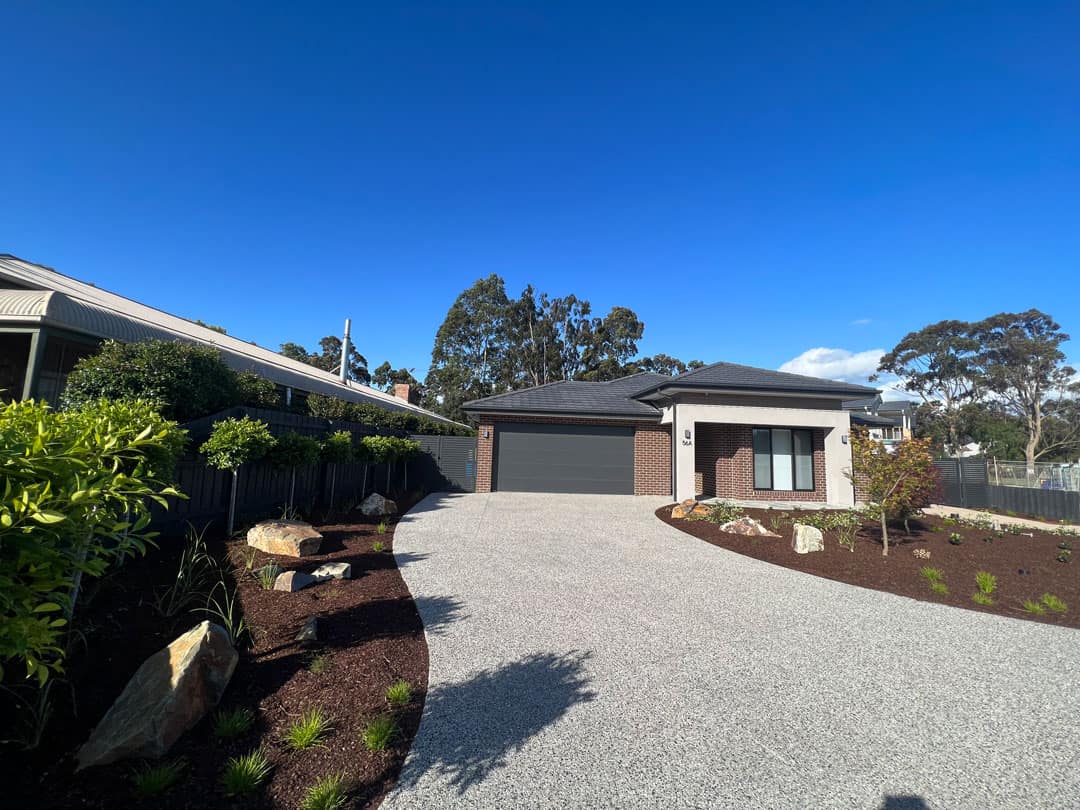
(477, 723)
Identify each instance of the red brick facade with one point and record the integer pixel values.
(724, 465)
(652, 451)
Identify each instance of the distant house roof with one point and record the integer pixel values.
(872, 420)
(628, 396)
(37, 295)
(867, 403)
(734, 377)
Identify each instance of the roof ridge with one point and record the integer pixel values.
(518, 391)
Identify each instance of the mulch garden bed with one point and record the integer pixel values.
(370, 635)
(1026, 566)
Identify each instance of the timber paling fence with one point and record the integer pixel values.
(968, 482)
(445, 463)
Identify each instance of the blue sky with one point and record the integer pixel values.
(754, 180)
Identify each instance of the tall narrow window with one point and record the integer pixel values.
(783, 459)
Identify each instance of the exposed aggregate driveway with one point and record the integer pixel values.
(584, 654)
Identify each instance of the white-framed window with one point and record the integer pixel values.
(784, 459)
(892, 434)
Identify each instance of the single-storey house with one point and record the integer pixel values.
(49, 321)
(723, 430)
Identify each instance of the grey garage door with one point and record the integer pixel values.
(594, 459)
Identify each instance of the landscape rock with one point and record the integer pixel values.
(375, 505)
(291, 581)
(289, 538)
(806, 539)
(689, 508)
(335, 570)
(171, 692)
(747, 526)
(309, 633)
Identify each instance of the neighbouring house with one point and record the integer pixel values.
(887, 421)
(49, 321)
(723, 430)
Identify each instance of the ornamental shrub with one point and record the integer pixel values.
(185, 380)
(337, 448)
(293, 450)
(256, 392)
(235, 442)
(381, 418)
(76, 499)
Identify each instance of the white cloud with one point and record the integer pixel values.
(861, 322)
(835, 364)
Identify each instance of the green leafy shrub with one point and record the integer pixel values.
(986, 581)
(230, 723)
(955, 538)
(308, 731)
(1065, 545)
(328, 793)
(294, 450)
(256, 392)
(1054, 603)
(1064, 556)
(337, 448)
(152, 780)
(380, 418)
(724, 512)
(399, 693)
(379, 732)
(846, 525)
(233, 443)
(185, 380)
(244, 774)
(77, 488)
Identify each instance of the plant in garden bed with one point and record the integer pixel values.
(329, 793)
(225, 610)
(292, 451)
(378, 546)
(846, 525)
(382, 527)
(1053, 603)
(152, 780)
(379, 732)
(724, 512)
(399, 693)
(934, 576)
(233, 443)
(320, 663)
(1064, 556)
(955, 538)
(337, 448)
(898, 483)
(244, 774)
(233, 722)
(195, 572)
(308, 731)
(1032, 606)
(267, 575)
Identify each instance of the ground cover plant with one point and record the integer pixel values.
(370, 639)
(1008, 574)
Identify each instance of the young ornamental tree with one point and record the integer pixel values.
(379, 450)
(233, 443)
(897, 483)
(291, 451)
(337, 448)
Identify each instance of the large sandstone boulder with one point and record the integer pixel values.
(747, 526)
(806, 539)
(375, 505)
(690, 509)
(289, 538)
(166, 696)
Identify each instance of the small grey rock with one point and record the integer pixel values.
(293, 581)
(338, 570)
(309, 633)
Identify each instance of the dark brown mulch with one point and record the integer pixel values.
(369, 632)
(1025, 567)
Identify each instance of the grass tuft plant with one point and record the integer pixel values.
(986, 581)
(308, 731)
(267, 575)
(1054, 603)
(382, 527)
(379, 732)
(153, 780)
(328, 793)
(233, 722)
(399, 693)
(244, 774)
(931, 575)
(981, 598)
(320, 664)
(940, 588)
(378, 546)
(1031, 606)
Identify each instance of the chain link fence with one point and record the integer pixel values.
(1041, 475)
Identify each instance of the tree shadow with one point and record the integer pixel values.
(905, 802)
(480, 722)
(432, 503)
(436, 612)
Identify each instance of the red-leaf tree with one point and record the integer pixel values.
(899, 483)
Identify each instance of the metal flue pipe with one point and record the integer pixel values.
(345, 352)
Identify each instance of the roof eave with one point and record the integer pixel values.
(665, 389)
(548, 413)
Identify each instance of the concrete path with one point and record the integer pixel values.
(584, 654)
(946, 511)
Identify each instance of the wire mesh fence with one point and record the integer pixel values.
(1040, 475)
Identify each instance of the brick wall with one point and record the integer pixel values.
(724, 465)
(652, 460)
(652, 451)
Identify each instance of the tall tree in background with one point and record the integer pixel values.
(468, 360)
(1021, 363)
(614, 342)
(385, 377)
(938, 364)
(329, 359)
(664, 364)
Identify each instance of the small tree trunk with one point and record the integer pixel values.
(292, 487)
(232, 505)
(333, 481)
(884, 536)
(389, 465)
(363, 486)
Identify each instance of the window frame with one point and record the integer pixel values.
(772, 461)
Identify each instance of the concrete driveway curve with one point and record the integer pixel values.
(584, 654)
